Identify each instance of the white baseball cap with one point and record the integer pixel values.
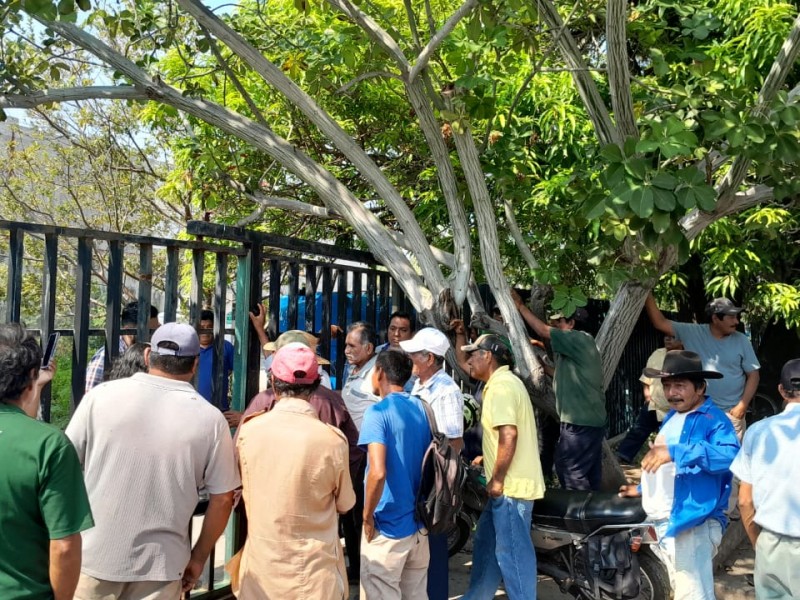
(430, 340)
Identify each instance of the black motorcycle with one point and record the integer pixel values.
(594, 545)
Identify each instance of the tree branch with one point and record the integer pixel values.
(330, 190)
(425, 56)
(107, 92)
(363, 76)
(516, 234)
(592, 100)
(619, 78)
(696, 221)
(449, 185)
(328, 126)
(266, 201)
(782, 66)
(375, 31)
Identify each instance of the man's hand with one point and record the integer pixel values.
(477, 461)
(657, 456)
(233, 418)
(457, 325)
(191, 574)
(629, 491)
(495, 488)
(738, 411)
(259, 320)
(516, 298)
(369, 527)
(46, 375)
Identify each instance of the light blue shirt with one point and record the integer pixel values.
(446, 400)
(769, 461)
(733, 356)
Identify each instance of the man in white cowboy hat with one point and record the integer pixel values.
(686, 478)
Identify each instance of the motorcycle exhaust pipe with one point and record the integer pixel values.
(560, 576)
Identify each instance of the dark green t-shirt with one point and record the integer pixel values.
(578, 380)
(42, 497)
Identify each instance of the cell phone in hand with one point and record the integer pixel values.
(50, 349)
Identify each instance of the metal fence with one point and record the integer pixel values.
(75, 282)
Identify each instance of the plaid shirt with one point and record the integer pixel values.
(97, 366)
(446, 400)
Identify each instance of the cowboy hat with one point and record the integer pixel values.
(682, 364)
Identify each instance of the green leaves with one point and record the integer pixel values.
(566, 299)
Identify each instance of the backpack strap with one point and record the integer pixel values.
(430, 415)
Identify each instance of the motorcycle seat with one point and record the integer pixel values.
(585, 512)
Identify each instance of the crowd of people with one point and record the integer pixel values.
(103, 510)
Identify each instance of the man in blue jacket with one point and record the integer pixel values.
(686, 478)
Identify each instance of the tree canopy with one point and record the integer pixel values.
(592, 146)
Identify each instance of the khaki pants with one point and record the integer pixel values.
(394, 569)
(91, 588)
(777, 558)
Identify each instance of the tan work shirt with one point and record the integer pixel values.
(295, 479)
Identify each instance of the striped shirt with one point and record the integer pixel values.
(446, 400)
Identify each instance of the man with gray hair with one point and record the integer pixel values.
(43, 502)
(148, 444)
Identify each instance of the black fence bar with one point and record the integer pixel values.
(311, 297)
(16, 252)
(341, 321)
(327, 309)
(80, 340)
(47, 324)
(356, 302)
(271, 240)
(255, 266)
(371, 300)
(274, 299)
(196, 297)
(96, 234)
(293, 286)
(386, 302)
(145, 292)
(171, 285)
(113, 299)
(217, 369)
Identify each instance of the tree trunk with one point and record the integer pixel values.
(618, 325)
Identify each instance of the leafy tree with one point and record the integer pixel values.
(604, 138)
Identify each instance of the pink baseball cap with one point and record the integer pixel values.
(295, 363)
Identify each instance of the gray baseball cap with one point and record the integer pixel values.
(182, 335)
(723, 306)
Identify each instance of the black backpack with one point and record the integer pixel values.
(612, 569)
(443, 475)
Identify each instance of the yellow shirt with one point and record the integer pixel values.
(506, 402)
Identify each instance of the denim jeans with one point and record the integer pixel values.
(689, 558)
(502, 549)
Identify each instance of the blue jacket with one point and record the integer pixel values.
(702, 460)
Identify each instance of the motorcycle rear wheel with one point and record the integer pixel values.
(655, 578)
(458, 535)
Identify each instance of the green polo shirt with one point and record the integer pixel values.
(42, 497)
(578, 381)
